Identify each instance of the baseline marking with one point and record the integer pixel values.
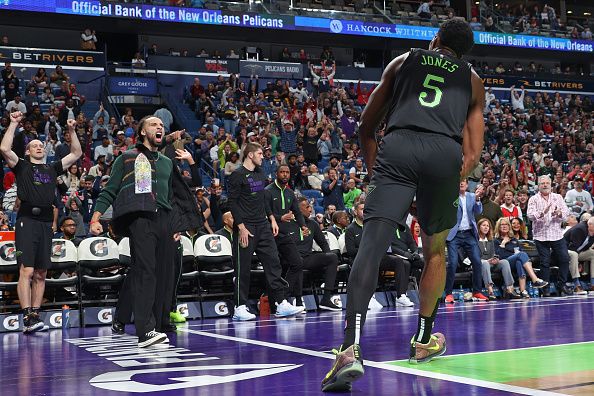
(502, 350)
(404, 370)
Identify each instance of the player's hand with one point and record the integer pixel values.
(96, 228)
(176, 236)
(305, 231)
(274, 227)
(71, 124)
(288, 216)
(16, 117)
(244, 236)
(183, 155)
(177, 134)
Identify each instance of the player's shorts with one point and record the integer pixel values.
(413, 163)
(33, 240)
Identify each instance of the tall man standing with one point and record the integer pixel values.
(433, 102)
(546, 211)
(36, 186)
(254, 230)
(143, 188)
(285, 209)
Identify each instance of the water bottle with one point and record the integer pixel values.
(65, 317)
(461, 294)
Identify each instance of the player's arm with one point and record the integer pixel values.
(474, 129)
(376, 109)
(6, 146)
(75, 148)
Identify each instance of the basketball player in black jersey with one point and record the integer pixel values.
(433, 104)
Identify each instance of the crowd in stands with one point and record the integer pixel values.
(538, 19)
(313, 127)
(526, 69)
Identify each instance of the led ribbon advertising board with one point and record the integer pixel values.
(285, 22)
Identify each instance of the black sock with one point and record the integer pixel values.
(425, 326)
(27, 311)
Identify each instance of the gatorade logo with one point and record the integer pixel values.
(11, 322)
(99, 248)
(8, 252)
(104, 316)
(221, 308)
(337, 301)
(56, 319)
(58, 249)
(335, 26)
(213, 244)
(183, 310)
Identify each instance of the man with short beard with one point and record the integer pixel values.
(68, 229)
(36, 186)
(146, 190)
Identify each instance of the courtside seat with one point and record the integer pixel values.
(64, 260)
(344, 259)
(215, 265)
(99, 258)
(124, 251)
(213, 253)
(62, 279)
(189, 271)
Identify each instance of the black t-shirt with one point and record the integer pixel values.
(36, 183)
(246, 196)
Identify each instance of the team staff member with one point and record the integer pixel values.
(285, 209)
(433, 103)
(142, 187)
(252, 231)
(36, 186)
(314, 261)
(227, 230)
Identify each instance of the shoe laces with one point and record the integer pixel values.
(152, 333)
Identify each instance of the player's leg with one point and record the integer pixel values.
(390, 194)
(268, 255)
(242, 261)
(437, 199)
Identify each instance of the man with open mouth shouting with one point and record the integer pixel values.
(143, 188)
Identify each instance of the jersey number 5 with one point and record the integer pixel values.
(427, 84)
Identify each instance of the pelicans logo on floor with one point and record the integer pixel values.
(140, 377)
(123, 381)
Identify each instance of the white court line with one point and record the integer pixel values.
(391, 314)
(504, 350)
(404, 370)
